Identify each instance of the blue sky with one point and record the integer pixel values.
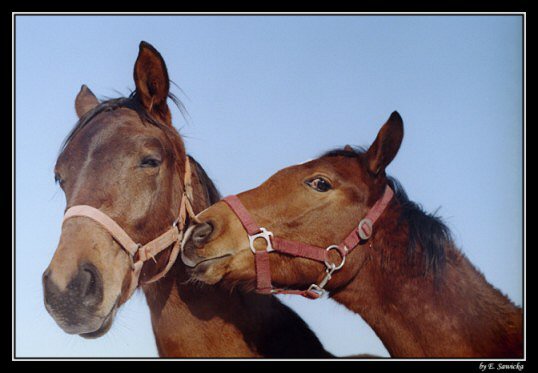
(265, 92)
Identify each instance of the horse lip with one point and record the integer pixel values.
(192, 264)
(205, 260)
(105, 325)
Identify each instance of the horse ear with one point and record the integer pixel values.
(348, 148)
(85, 101)
(151, 80)
(386, 145)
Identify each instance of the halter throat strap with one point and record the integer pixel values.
(137, 252)
(359, 235)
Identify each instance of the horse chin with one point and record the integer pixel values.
(105, 326)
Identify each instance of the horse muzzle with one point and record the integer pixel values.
(76, 308)
(195, 237)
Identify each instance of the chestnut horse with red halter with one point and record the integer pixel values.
(127, 180)
(340, 224)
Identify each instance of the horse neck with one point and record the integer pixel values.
(205, 321)
(202, 321)
(454, 313)
(190, 322)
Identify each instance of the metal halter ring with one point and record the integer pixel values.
(331, 266)
(266, 235)
(319, 289)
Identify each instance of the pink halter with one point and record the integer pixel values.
(138, 253)
(360, 234)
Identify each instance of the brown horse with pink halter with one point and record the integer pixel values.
(379, 254)
(130, 189)
(137, 252)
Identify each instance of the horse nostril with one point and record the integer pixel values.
(201, 234)
(45, 276)
(48, 288)
(89, 284)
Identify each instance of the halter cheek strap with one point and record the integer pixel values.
(138, 253)
(358, 235)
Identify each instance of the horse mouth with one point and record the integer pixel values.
(105, 325)
(202, 271)
(207, 262)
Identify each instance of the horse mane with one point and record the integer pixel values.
(213, 195)
(427, 231)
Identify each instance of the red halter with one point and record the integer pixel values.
(361, 233)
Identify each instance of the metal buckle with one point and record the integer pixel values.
(266, 235)
(370, 224)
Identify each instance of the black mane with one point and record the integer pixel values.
(213, 194)
(426, 230)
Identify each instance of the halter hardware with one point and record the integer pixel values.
(266, 235)
(138, 253)
(330, 268)
(360, 234)
(365, 228)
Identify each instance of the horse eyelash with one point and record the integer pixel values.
(58, 180)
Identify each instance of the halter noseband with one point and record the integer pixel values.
(138, 253)
(358, 235)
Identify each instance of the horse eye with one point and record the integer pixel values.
(150, 162)
(319, 184)
(58, 179)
